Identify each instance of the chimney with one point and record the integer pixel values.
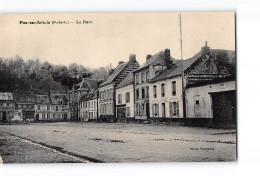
(167, 57)
(120, 62)
(205, 50)
(132, 58)
(148, 57)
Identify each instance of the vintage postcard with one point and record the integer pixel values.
(118, 87)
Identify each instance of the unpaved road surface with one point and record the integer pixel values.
(104, 142)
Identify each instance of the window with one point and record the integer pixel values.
(163, 89)
(38, 108)
(43, 116)
(154, 92)
(19, 106)
(48, 108)
(137, 94)
(142, 78)
(48, 116)
(4, 105)
(137, 79)
(147, 76)
(174, 109)
(10, 105)
(63, 108)
(57, 108)
(127, 97)
(155, 109)
(173, 88)
(197, 102)
(127, 111)
(60, 102)
(147, 92)
(43, 101)
(119, 98)
(143, 93)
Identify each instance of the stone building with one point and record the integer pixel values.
(42, 108)
(125, 99)
(89, 107)
(207, 66)
(150, 69)
(6, 106)
(24, 108)
(59, 110)
(107, 99)
(79, 90)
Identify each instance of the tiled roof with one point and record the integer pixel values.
(176, 68)
(6, 96)
(86, 84)
(157, 59)
(116, 72)
(56, 98)
(127, 81)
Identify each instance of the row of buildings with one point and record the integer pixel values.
(200, 90)
(33, 108)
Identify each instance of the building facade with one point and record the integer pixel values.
(125, 100)
(88, 107)
(77, 92)
(212, 103)
(142, 76)
(24, 109)
(7, 107)
(107, 99)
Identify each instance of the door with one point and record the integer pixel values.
(224, 108)
(37, 117)
(163, 110)
(4, 115)
(147, 110)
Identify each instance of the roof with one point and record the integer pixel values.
(86, 84)
(6, 96)
(92, 95)
(57, 98)
(43, 99)
(126, 81)
(157, 59)
(176, 68)
(116, 72)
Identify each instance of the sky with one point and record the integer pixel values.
(112, 37)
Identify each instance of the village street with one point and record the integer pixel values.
(118, 142)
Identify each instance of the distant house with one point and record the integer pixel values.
(6, 106)
(107, 99)
(42, 108)
(51, 107)
(89, 107)
(79, 90)
(125, 99)
(59, 110)
(24, 108)
(151, 68)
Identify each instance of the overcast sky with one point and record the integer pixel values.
(112, 37)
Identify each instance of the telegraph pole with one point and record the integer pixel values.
(183, 79)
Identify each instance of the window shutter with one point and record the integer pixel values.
(177, 110)
(171, 109)
(153, 109)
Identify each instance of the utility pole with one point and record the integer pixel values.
(183, 79)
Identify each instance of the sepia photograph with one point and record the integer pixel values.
(118, 87)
